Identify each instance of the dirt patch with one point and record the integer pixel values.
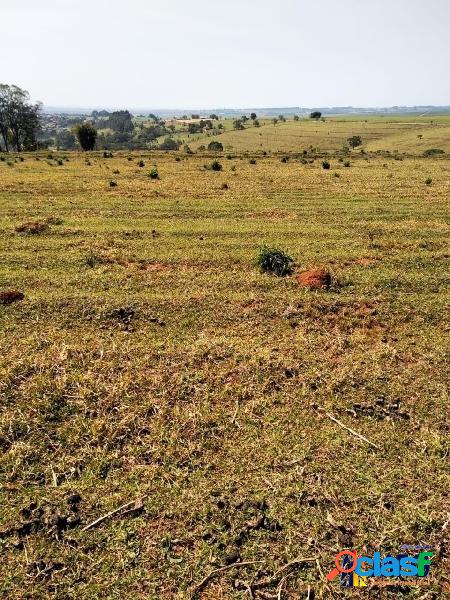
(367, 262)
(11, 296)
(155, 267)
(315, 279)
(32, 227)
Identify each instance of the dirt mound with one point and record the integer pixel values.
(32, 227)
(315, 279)
(11, 296)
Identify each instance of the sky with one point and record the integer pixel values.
(227, 53)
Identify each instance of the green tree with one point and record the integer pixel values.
(19, 119)
(86, 135)
(253, 116)
(316, 114)
(215, 146)
(65, 140)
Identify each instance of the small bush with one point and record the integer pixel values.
(252, 161)
(116, 172)
(215, 146)
(153, 174)
(284, 159)
(108, 154)
(433, 152)
(326, 165)
(428, 181)
(177, 159)
(275, 261)
(347, 164)
(10, 163)
(141, 163)
(113, 184)
(337, 174)
(216, 166)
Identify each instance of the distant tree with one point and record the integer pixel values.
(19, 119)
(238, 124)
(316, 114)
(169, 144)
(354, 141)
(244, 118)
(65, 140)
(86, 135)
(184, 117)
(154, 117)
(195, 116)
(215, 146)
(282, 118)
(253, 116)
(274, 121)
(296, 118)
(214, 117)
(120, 121)
(256, 123)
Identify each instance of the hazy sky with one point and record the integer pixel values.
(227, 53)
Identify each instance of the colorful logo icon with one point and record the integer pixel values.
(355, 569)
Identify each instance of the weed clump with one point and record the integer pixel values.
(252, 161)
(113, 184)
(216, 166)
(347, 164)
(428, 181)
(141, 163)
(274, 261)
(153, 174)
(326, 165)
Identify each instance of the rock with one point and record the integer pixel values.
(315, 279)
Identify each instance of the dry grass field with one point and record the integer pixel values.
(152, 366)
(378, 133)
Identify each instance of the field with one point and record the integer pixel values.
(152, 366)
(378, 133)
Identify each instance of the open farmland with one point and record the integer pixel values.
(378, 133)
(151, 362)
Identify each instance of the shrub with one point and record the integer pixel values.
(60, 162)
(347, 163)
(337, 174)
(116, 172)
(273, 260)
(215, 146)
(354, 141)
(216, 166)
(252, 161)
(284, 159)
(113, 184)
(141, 163)
(433, 151)
(315, 114)
(428, 181)
(153, 174)
(326, 165)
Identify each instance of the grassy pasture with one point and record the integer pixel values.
(150, 359)
(377, 133)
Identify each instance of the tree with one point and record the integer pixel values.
(169, 144)
(316, 114)
(274, 121)
(238, 124)
(244, 118)
(354, 141)
(253, 116)
(65, 140)
(86, 135)
(282, 118)
(120, 121)
(256, 123)
(296, 118)
(19, 119)
(215, 146)
(214, 117)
